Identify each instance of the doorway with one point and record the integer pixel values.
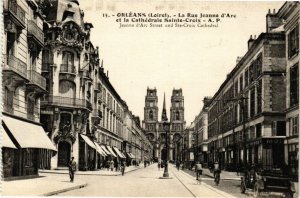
(64, 153)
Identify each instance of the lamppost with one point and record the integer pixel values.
(166, 126)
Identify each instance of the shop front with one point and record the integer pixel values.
(22, 145)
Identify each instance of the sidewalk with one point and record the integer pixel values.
(51, 182)
(102, 172)
(45, 185)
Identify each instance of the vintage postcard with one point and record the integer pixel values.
(150, 98)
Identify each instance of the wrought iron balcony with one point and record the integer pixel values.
(11, 63)
(16, 13)
(66, 101)
(37, 79)
(65, 68)
(35, 33)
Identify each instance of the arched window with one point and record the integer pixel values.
(67, 89)
(177, 115)
(151, 115)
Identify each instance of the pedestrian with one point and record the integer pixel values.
(178, 165)
(198, 168)
(123, 167)
(72, 169)
(158, 164)
(116, 165)
(111, 165)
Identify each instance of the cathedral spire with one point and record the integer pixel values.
(164, 112)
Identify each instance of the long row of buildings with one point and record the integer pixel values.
(58, 101)
(254, 115)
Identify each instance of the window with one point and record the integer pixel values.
(151, 104)
(241, 82)
(246, 77)
(294, 85)
(67, 62)
(176, 104)
(293, 126)
(151, 115)
(252, 102)
(258, 130)
(259, 96)
(251, 72)
(177, 115)
(293, 42)
(8, 100)
(11, 38)
(259, 65)
(278, 128)
(67, 89)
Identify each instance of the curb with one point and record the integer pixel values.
(64, 190)
(116, 174)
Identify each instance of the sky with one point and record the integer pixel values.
(194, 59)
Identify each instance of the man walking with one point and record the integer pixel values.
(198, 168)
(72, 169)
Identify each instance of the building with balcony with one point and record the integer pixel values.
(290, 13)
(26, 146)
(246, 118)
(67, 111)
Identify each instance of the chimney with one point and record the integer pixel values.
(107, 74)
(273, 21)
(206, 100)
(239, 58)
(250, 42)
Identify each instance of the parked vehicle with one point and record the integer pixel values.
(268, 181)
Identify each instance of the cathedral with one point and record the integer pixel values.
(154, 128)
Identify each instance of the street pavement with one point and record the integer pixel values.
(46, 184)
(145, 182)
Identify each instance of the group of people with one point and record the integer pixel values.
(111, 165)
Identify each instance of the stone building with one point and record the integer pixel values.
(154, 128)
(246, 119)
(290, 13)
(26, 146)
(201, 135)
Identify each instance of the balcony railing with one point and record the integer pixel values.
(15, 64)
(35, 31)
(65, 68)
(86, 74)
(37, 78)
(18, 13)
(66, 101)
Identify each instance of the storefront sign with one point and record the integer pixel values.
(271, 141)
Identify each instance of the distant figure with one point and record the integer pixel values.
(159, 164)
(111, 165)
(72, 169)
(123, 167)
(198, 169)
(178, 165)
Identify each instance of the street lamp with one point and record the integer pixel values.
(166, 126)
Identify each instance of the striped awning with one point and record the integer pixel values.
(6, 141)
(105, 150)
(88, 141)
(100, 150)
(118, 152)
(111, 151)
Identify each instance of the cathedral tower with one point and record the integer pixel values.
(150, 111)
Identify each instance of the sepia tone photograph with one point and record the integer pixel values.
(128, 98)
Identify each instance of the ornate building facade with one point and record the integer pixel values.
(154, 128)
(26, 146)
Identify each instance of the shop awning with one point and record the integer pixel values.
(131, 155)
(105, 150)
(100, 150)
(28, 135)
(111, 151)
(6, 141)
(118, 152)
(88, 141)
